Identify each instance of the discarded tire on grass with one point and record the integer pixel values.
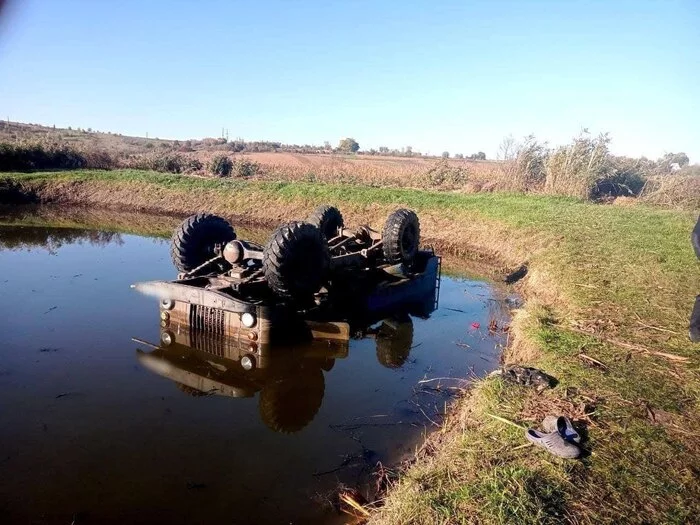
(327, 219)
(296, 261)
(194, 241)
(401, 236)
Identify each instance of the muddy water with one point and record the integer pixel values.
(89, 435)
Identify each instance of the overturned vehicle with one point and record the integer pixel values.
(308, 274)
(243, 320)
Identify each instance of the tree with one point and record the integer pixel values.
(459, 156)
(445, 154)
(668, 160)
(508, 149)
(480, 156)
(349, 145)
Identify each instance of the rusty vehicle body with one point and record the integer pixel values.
(194, 304)
(308, 275)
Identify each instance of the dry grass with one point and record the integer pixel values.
(673, 191)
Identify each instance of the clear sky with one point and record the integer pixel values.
(436, 75)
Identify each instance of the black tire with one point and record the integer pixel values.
(289, 404)
(296, 261)
(401, 236)
(394, 341)
(327, 219)
(193, 242)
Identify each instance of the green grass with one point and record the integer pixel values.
(613, 283)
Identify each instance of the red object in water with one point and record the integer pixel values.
(476, 325)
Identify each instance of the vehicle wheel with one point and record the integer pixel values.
(327, 364)
(327, 219)
(193, 242)
(289, 404)
(394, 340)
(296, 260)
(401, 236)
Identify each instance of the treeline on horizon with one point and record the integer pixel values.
(14, 131)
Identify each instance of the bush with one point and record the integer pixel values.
(245, 168)
(192, 165)
(445, 175)
(165, 162)
(575, 169)
(98, 159)
(623, 176)
(39, 156)
(221, 166)
(680, 190)
(530, 160)
(348, 145)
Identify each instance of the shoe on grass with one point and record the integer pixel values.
(561, 424)
(553, 443)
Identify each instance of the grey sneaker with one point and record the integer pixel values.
(553, 443)
(561, 424)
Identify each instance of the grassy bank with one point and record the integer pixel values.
(609, 293)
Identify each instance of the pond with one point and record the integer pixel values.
(91, 435)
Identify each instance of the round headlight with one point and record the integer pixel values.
(167, 304)
(164, 316)
(166, 338)
(247, 362)
(248, 320)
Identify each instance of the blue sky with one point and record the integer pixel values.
(436, 75)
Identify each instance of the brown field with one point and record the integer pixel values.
(289, 162)
(374, 170)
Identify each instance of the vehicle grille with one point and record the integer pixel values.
(206, 319)
(209, 343)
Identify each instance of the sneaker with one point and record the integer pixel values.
(553, 443)
(561, 424)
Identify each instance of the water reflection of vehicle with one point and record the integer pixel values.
(205, 359)
(290, 381)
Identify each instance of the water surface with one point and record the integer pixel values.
(89, 435)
